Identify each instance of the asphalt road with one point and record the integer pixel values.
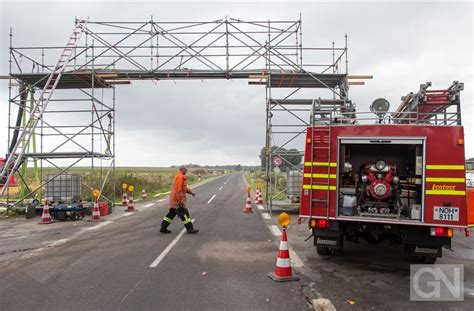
(124, 263)
(108, 265)
(377, 277)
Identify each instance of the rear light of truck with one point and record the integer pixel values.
(441, 231)
(319, 223)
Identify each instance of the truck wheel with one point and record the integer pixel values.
(339, 251)
(322, 250)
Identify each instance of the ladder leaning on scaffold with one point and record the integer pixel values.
(15, 156)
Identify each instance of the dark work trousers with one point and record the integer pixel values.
(182, 213)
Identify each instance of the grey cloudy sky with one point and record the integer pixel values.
(222, 122)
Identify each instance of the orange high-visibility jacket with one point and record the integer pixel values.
(179, 190)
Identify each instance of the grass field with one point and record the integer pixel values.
(154, 180)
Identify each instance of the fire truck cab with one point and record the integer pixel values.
(400, 178)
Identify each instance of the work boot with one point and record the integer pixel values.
(190, 228)
(164, 230)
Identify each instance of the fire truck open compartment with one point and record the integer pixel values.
(381, 178)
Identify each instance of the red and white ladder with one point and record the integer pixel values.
(15, 156)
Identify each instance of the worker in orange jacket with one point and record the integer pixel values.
(177, 205)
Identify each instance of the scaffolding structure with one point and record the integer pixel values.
(99, 56)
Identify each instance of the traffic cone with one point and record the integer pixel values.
(96, 212)
(46, 217)
(283, 266)
(124, 198)
(130, 208)
(144, 195)
(248, 204)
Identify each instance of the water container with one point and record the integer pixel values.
(63, 188)
(294, 183)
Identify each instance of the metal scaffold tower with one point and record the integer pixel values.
(73, 86)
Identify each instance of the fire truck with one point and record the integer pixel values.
(398, 176)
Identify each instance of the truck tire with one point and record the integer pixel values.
(322, 250)
(338, 251)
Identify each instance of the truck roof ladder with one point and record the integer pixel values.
(320, 152)
(15, 157)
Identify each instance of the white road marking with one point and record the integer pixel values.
(221, 188)
(161, 200)
(323, 304)
(58, 242)
(266, 216)
(126, 214)
(105, 223)
(168, 248)
(260, 207)
(144, 207)
(295, 259)
(210, 200)
(275, 230)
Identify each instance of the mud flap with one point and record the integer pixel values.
(425, 251)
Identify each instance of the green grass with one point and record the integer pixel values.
(153, 179)
(258, 178)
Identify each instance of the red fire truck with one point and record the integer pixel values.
(400, 177)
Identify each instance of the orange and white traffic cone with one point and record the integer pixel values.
(124, 198)
(46, 217)
(96, 212)
(283, 266)
(248, 204)
(144, 195)
(130, 208)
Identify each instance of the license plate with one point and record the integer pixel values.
(446, 213)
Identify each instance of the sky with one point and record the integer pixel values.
(402, 44)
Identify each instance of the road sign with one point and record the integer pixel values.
(277, 161)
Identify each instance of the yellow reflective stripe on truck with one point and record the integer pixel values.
(445, 192)
(319, 187)
(444, 167)
(331, 164)
(445, 179)
(332, 176)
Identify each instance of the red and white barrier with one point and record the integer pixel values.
(124, 198)
(131, 207)
(259, 198)
(257, 193)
